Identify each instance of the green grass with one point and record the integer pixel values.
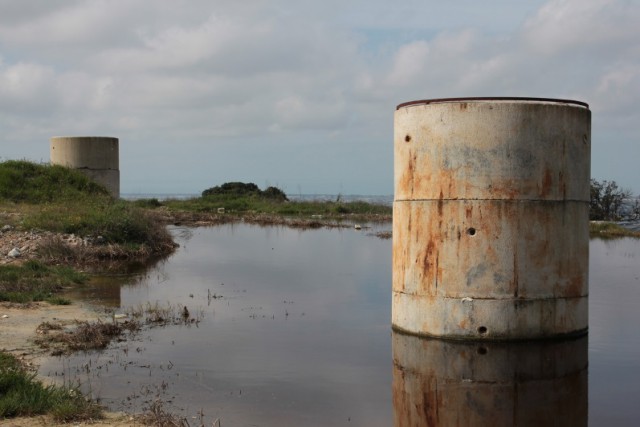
(22, 395)
(60, 199)
(35, 281)
(240, 204)
(26, 182)
(117, 222)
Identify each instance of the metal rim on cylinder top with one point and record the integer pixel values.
(492, 98)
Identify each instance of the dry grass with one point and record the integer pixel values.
(85, 336)
(104, 257)
(158, 416)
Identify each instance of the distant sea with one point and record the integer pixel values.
(377, 199)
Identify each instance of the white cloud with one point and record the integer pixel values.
(196, 71)
(409, 63)
(591, 25)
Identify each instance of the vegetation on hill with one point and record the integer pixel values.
(26, 182)
(59, 199)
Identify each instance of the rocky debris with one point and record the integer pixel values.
(18, 246)
(14, 253)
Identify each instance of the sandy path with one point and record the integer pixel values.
(18, 324)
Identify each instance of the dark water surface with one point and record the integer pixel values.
(301, 336)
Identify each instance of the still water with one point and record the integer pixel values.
(299, 334)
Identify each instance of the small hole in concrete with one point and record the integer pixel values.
(407, 138)
(482, 330)
(471, 231)
(482, 350)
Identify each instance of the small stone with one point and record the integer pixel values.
(6, 228)
(5, 316)
(14, 253)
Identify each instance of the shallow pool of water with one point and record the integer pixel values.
(300, 335)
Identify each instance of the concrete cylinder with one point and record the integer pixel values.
(448, 383)
(96, 156)
(490, 218)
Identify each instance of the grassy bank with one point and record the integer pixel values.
(259, 205)
(62, 200)
(252, 208)
(22, 395)
(610, 230)
(34, 281)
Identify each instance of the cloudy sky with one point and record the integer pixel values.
(300, 94)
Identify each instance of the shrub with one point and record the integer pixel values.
(241, 189)
(233, 188)
(606, 200)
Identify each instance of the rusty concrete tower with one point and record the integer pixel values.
(490, 221)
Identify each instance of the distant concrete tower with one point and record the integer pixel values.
(96, 156)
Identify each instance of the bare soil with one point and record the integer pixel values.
(111, 419)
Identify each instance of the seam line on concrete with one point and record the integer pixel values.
(506, 298)
(494, 200)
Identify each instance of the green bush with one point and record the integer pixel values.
(241, 190)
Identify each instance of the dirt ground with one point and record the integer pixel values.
(117, 420)
(18, 324)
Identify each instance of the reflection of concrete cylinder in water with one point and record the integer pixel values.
(96, 156)
(490, 222)
(453, 383)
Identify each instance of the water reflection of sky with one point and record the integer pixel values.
(301, 336)
(614, 332)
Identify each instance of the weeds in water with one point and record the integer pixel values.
(85, 336)
(157, 415)
(22, 395)
(161, 315)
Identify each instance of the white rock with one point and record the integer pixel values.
(14, 253)
(5, 316)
